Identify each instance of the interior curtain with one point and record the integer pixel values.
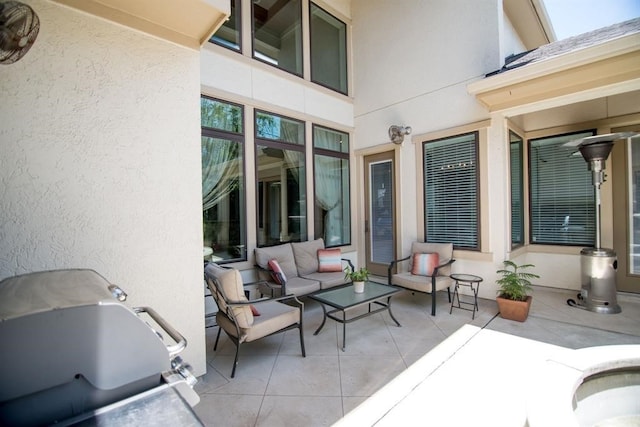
(328, 174)
(219, 170)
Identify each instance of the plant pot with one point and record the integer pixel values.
(358, 287)
(514, 310)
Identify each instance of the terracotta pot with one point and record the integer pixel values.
(358, 287)
(514, 310)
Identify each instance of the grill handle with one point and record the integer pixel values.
(181, 341)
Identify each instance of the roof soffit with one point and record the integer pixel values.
(530, 19)
(188, 23)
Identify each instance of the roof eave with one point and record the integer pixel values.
(612, 65)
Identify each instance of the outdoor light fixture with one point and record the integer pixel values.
(397, 133)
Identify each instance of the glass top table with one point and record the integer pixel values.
(344, 298)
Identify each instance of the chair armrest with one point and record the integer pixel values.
(272, 284)
(436, 269)
(348, 262)
(390, 268)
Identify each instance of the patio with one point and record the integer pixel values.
(275, 386)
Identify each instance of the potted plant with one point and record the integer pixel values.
(514, 285)
(358, 277)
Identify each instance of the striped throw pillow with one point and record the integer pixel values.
(329, 260)
(423, 264)
(277, 273)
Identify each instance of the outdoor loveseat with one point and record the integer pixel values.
(299, 268)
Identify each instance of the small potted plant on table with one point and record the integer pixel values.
(358, 277)
(514, 285)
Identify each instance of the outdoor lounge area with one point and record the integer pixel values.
(275, 386)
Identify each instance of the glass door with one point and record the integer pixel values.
(379, 212)
(626, 211)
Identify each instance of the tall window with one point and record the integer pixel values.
(229, 34)
(328, 49)
(451, 191)
(223, 203)
(281, 184)
(562, 194)
(517, 209)
(277, 34)
(332, 196)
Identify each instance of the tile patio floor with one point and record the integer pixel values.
(275, 386)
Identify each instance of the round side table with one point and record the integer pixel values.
(471, 281)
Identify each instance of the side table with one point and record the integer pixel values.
(471, 281)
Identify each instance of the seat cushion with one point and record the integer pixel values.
(306, 255)
(282, 253)
(329, 260)
(274, 316)
(328, 280)
(420, 283)
(302, 286)
(228, 281)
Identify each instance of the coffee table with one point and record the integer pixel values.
(344, 298)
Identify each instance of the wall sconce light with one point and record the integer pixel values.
(397, 133)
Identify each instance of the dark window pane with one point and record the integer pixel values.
(229, 34)
(328, 50)
(277, 29)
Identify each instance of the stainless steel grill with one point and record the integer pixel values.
(72, 352)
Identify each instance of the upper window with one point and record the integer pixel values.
(451, 191)
(332, 196)
(277, 34)
(517, 209)
(328, 49)
(561, 193)
(229, 34)
(281, 179)
(223, 202)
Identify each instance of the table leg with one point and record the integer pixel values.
(391, 313)
(324, 319)
(344, 329)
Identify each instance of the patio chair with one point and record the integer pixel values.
(427, 272)
(245, 320)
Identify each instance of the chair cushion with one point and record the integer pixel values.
(282, 253)
(230, 284)
(423, 264)
(302, 286)
(278, 274)
(328, 280)
(306, 255)
(329, 260)
(420, 283)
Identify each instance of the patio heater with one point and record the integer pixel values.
(598, 265)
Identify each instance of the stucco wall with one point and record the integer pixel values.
(100, 164)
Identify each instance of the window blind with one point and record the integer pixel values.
(451, 191)
(562, 194)
(517, 217)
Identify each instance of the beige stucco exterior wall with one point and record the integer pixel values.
(413, 61)
(100, 164)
